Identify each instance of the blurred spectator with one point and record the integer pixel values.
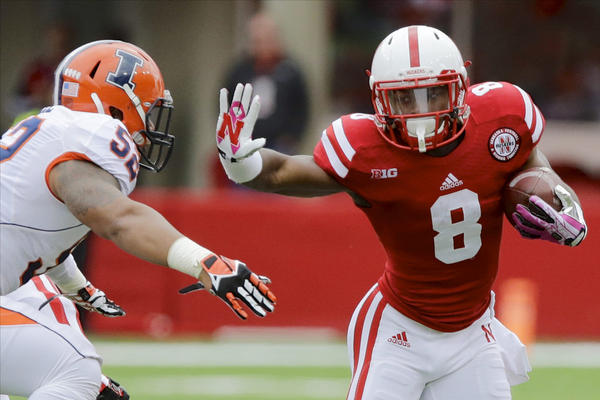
(37, 81)
(279, 82)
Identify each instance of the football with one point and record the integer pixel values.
(539, 181)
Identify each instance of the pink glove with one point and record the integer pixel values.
(541, 221)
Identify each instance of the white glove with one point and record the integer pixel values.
(93, 299)
(237, 150)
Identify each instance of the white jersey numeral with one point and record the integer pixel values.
(357, 116)
(468, 227)
(485, 87)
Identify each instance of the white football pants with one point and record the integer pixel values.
(394, 357)
(44, 355)
(40, 365)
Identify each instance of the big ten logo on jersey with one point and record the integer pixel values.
(384, 173)
(122, 149)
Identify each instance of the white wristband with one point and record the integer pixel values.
(243, 170)
(185, 256)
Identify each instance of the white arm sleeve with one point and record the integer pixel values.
(67, 276)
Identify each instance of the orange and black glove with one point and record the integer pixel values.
(232, 281)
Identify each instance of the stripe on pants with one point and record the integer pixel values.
(364, 340)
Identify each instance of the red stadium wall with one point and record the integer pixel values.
(322, 256)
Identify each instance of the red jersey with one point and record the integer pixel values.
(438, 218)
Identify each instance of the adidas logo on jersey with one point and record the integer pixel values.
(450, 182)
(399, 339)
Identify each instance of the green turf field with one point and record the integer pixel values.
(284, 370)
(293, 383)
(325, 383)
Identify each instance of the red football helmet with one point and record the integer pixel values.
(418, 82)
(119, 79)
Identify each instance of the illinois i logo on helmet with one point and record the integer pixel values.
(504, 144)
(125, 71)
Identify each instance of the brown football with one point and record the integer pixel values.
(539, 181)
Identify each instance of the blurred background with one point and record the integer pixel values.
(307, 59)
(547, 47)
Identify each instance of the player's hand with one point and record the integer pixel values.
(111, 390)
(233, 282)
(541, 221)
(93, 299)
(235, 124)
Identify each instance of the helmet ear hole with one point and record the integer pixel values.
(116, 113)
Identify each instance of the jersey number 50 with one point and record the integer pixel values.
(468, 227)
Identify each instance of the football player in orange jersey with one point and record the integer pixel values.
(70, 169)
(428, 169)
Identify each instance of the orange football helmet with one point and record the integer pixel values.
(120, 79)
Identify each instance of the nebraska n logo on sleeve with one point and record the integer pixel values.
(125, 70)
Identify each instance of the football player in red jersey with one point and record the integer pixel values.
(428, 169)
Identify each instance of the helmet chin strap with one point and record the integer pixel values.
(136, 102)
(97, 103)
(138, 138)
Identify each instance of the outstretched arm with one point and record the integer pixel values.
(296, 176)
(94, 198)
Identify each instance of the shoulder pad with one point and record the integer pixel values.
(341, 140)
(487, 98)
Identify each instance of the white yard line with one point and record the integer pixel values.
(222, 354)
(329, 354)
(228, 385)
(566, 355)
